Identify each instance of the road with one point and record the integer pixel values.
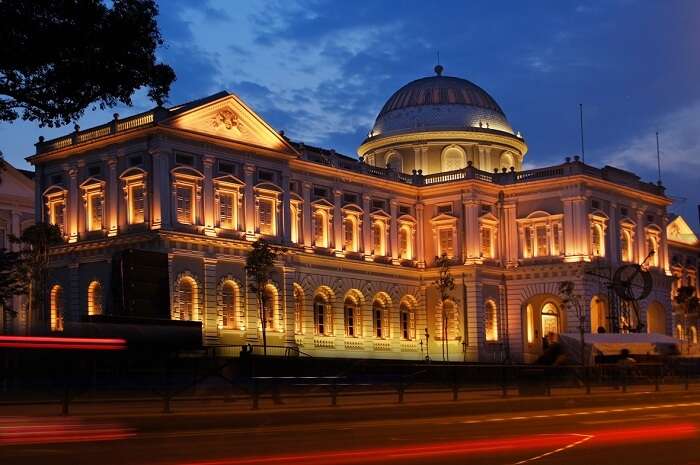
(641, 433)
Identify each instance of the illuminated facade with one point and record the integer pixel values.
(684, 251)
(16, 214)
(439, 173)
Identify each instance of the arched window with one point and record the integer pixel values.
(349, 233)
(270, 306)
(378, 238)
(693, 335)
(321, 325)
(394, 162)
(447, 319)
(294, 223)
(186, 290)
(352, 317)
(491, 321)
(95, 298)
(453, 158)
(597, 240)
(680, 334)
(378, 316)
(405, 243)
(57, 306)
(408, 330)
(229, 304)
(530, 323)
(298, 309)
(599, 315)
(487, 242)
(550, 319)
(625, 246)
(507, 160)
(321, 229)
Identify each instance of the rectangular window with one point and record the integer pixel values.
(405, 325)
(403, 243)
(350, 321)
(404, 210)
(185, 213)
(445, 209)
(320, 192)
(446, 242)
(136, 204)
(528, 242)
(93, 170)
(94, 213)
(320, 315)
(135, 160)
(349, 198)
(378, 323)
(266, 217)
(182, 159)
(56, 214)
(266, 176)
(555, 239)
(542, 249)
(486, 243)
(226, 219)
(349, 233)
(227, 168)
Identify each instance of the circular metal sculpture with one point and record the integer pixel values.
(632, 283)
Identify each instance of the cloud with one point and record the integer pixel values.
(679, 141)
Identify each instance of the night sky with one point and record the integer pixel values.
(321, 71)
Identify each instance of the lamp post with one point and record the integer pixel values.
(427, 345)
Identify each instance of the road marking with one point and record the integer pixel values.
(594, 412)
(584, 438)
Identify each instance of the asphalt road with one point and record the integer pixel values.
(641, 434)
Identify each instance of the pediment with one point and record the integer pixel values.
(229, 179)
(228, 117)
(14, 183)
(380, 214)
(443, 217)
(322, 203)
(679, 231)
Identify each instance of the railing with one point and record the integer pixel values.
(448, 176)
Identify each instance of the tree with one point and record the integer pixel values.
(687, 300)
(259, 265)
(57, 57)
(445, 283)
(27, 270)
(573, 301)
(11, 283)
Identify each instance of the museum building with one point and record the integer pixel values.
(188, 188)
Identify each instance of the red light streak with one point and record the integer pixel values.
(22, 431)
(74, 343)
(648, 433)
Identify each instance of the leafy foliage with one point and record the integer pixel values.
(259, 266)
(57, 57)
(25, 271)
(686, 296)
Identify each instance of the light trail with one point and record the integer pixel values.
(70, 343)
(23, 431)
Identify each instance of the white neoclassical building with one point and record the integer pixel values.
(188, 188)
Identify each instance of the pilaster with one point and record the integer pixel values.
(394, 232)
(306, 216)
(338, 223)
(73, 202)
(420, 233)
(211, 311)
(249, 199)
(113, 190)
(366, 227)
(208, 196)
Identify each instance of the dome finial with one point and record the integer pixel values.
(438, 68)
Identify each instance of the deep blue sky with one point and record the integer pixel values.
(321, 70)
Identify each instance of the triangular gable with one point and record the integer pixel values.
(15, 184)
(228, 117)
(679, 231)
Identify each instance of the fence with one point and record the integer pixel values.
(67, 376)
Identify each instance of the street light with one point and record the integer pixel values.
(427, 345)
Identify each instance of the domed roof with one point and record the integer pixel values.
(439, 103)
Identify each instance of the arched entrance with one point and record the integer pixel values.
(656, 318)
(599, 315)
(543, 316)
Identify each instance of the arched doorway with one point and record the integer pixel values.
(541, 315)
(656, 318)
(599, 315)
(550, 319)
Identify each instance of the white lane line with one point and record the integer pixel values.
(593, 412)
(584, 438)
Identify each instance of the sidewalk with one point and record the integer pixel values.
(217, 412)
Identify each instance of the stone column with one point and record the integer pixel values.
(286, 211)
(208, 197)
(73, 202)
(249, 199)
(424, 159)
(394, 232)
(210, 319)
(338, 223)
(16, 229)
(161, 183)
(306, 217)
(510, 236)
(420, 241)
(418, 159)
(366, 227)
(641, 246)
(472, 252)
(72, 302)
(663, 247)
(113, 192)
(613, 253)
